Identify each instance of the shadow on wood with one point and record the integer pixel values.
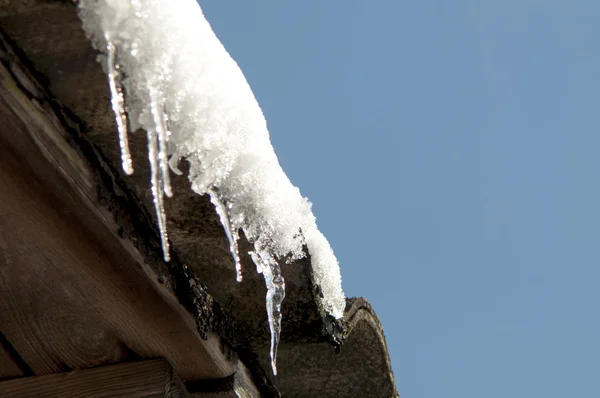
(154, 378)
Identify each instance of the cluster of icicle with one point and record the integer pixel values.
(170, 76)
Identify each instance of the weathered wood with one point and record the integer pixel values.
(153, 378)
(73, 294)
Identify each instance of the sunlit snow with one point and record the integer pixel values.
(169, 75)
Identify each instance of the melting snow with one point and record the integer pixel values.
(169, 75)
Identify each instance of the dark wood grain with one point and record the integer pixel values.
(153, 378)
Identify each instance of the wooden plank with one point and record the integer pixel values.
(73, 294)
(45, 319)
(153, 378)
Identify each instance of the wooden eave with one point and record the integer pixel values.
(82, 280)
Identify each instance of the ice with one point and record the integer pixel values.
(224, 212)
(157, 179)
(118, 104)
(269, 268)
(159, 117)
(170, 76)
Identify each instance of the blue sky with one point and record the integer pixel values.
(452, 154)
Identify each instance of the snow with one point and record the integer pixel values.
(169, 75)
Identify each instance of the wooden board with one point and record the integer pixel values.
(153, 378)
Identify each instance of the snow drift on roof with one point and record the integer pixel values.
(192, 99)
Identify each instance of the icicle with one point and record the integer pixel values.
(224, 212)
(159, 118)
(173, 164)
(157, 180)
(266, 265)
(118, 104)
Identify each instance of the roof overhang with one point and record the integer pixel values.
(85, 240)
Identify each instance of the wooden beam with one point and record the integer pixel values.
(153, 378)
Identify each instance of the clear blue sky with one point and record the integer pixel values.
(451, 150)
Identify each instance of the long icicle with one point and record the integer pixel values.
(117, 100)
(157, 181)
(266, 265)
(224, 211)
